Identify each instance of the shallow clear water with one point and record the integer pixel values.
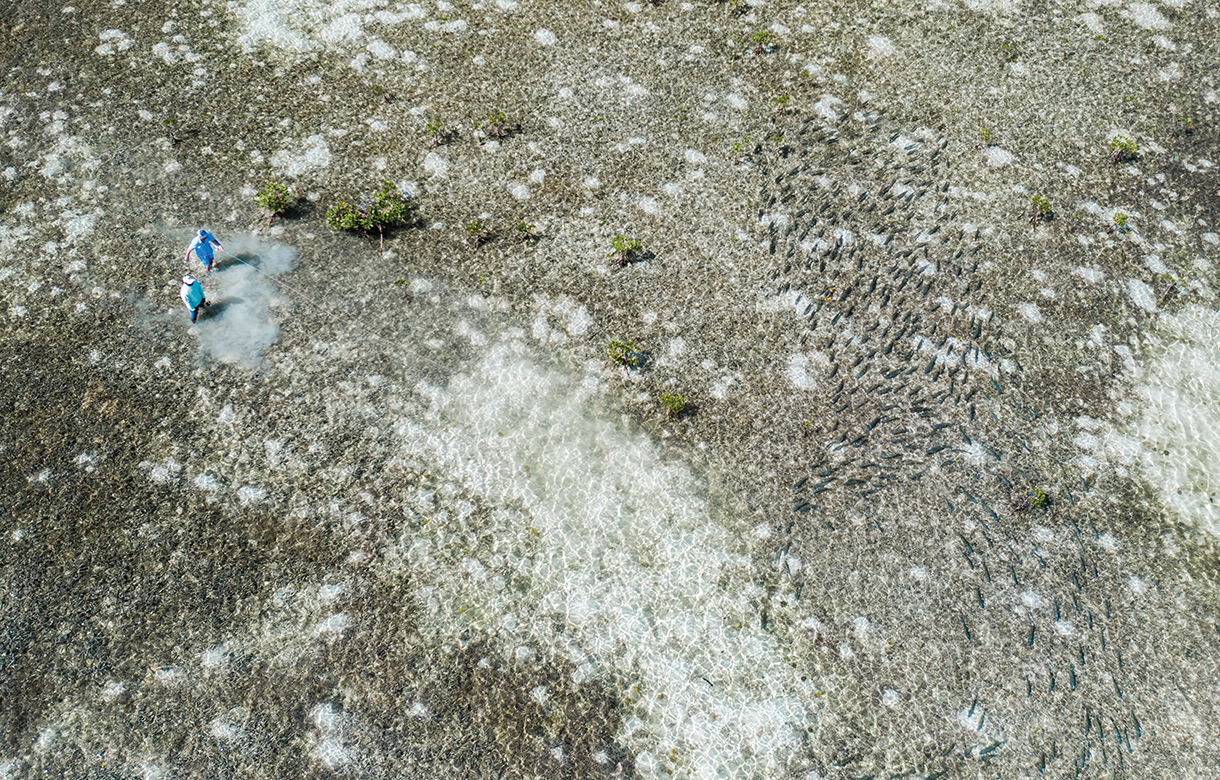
(431, 530)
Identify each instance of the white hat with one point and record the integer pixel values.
(188, 279)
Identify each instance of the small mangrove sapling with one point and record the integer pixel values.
(625, 249)
(526, 230)
(436, 132)
(1122, 149)
(274, 198)
(674, 404)
(625, 353)
(479, 232)
(497, 124)
(1039, 210)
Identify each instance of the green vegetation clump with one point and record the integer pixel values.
(479, 232)
(761, 40)
(624, 249)
(1033, 499)
(985, 136)
(274, 198)
(526, 230)
(1123, 149)
(1037, 498)
(625, 353)
(674, 404)
(1120, 222)
(388, 208)
(497, 124)
(436, 132)
(1039, 210)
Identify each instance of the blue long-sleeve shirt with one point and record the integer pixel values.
(192, 294)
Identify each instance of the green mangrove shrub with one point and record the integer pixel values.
(674, 404)
(274, 198)
(387, 209)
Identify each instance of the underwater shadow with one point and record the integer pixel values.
(215, 308)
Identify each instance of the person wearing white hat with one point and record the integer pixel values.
(192, 295)
(201, 244)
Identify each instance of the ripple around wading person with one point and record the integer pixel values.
(629, 575)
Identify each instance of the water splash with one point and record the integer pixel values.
(239, 325)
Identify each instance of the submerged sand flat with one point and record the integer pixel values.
(396, 514)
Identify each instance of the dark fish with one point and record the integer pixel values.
(965, 541)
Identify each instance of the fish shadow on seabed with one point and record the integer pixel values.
(216, 307)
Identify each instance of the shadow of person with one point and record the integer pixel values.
(216, 307)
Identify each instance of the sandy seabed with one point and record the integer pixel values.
(940, 502)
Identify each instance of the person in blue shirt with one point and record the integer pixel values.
(192, 295)
(202, 246)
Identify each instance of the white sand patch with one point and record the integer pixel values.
(879, 47)
(1146, 15)
(694, 157)
(114, 40)
(1141, 294)
(297, 160)
(826, 107)
(997, 156)
(436, 166)
(1174, 439)
(1093, 22)
(1030, 312)
(641, 584)
(995, 7)
(798, 374)
(1090, 275)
